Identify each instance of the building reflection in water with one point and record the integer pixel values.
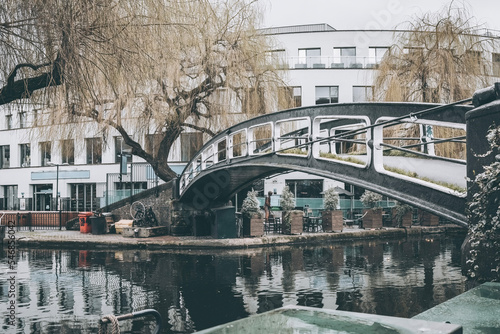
(70, 290)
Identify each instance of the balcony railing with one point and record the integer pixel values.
(329, 62)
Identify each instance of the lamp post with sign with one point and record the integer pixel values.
(58, 198)
(125, 154)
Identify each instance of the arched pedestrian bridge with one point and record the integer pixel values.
(412, 152)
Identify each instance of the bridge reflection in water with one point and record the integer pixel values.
(411, 152)
(70, 290)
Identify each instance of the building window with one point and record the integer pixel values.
(327, 94)
(68, 151)
(152, 143)
(253, 101)
(4, 156)
(289, 97)
(120, 147)
(475, 56)
(84, 197)
(344, 56)
(375, 54)
(94, 150)
(309, 58)
(25, 155)
(495, 57)
(10, 197)
(362, 93)
(22, 120)
(35, 118)
(221, 101)
(305, 188)
(8, 122)
(45, 150)
(277, 58)
(191, 142)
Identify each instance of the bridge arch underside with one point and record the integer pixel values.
(215, 186)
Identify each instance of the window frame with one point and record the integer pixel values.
(93, 156)
(368, 97)
(4, 156)
(194, 142)
(25, 155)
(331, 99)
(45, 152)
(66, 156)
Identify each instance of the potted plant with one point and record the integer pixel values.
(402, 215)
(253, 225)
(332, 219)
(372, 215)
(292, 219)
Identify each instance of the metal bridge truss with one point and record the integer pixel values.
(395, 149)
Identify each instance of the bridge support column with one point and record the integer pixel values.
(480, 260)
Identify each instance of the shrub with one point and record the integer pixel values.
(287, 199)
(251, 205)
(483, 260)
(330, 199)
(370, 199)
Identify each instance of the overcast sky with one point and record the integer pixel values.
(368, 14)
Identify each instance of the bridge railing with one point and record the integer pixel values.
(360, 141)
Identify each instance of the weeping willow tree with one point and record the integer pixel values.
(438, 57)
(148, 69)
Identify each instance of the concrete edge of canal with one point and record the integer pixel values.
(77, 240)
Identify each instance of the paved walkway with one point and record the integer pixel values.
(75, 239)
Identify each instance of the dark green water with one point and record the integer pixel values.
(67, 291)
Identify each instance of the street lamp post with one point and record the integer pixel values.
(58, 205)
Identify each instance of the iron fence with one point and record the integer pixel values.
(38, 220)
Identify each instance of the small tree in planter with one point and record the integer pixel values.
(402, 214)
(292, 219)
(252, 216)
(332, 219)
(372, 216)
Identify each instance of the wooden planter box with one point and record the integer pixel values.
(372, 219)
(333, 221)
(406, 221)
(296, 223)
(253, 227)
(428, 219)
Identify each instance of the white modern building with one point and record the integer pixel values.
(320, 64)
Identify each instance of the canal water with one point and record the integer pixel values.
(67, 291)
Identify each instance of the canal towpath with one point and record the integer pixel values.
(88, 241)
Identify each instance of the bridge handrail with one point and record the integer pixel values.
(197, 164)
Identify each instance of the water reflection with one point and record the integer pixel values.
(68, 291)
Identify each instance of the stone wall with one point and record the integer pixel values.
(159, 198)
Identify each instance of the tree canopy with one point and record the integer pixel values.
(148, 69)
(438, 57)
